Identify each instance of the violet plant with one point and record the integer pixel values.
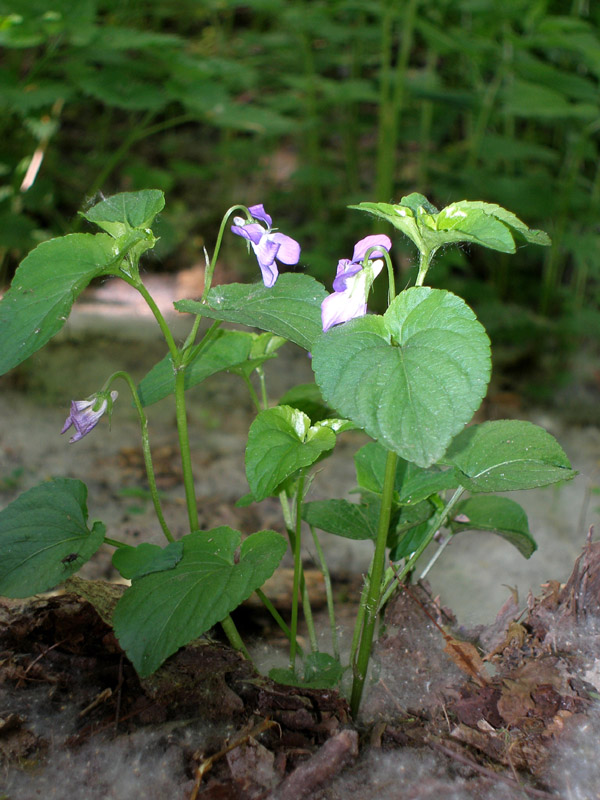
(411, 379)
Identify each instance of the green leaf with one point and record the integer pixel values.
(484, 221)
(135, 562)
(291, 308)
(505, 455)
(280, 442)
(350, 520)
(498, 515)
(407, 540)
(43, 290)
(412, 484)
(44, 537)
(412, 378)
(123, 212)
(227, 349)
(165, 610)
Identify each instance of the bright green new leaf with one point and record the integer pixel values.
(350, 520)
(226, 350)
(498, 515)
(45, 285)
(291, 308)
(123, 212)
(280, 442)
(163, 611)
(481, 223)
(44, 537)
(412, 378)
(135, 562)
(484, 221)
(504, 455)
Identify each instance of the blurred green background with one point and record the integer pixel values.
(308, 107)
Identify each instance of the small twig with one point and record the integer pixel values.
(98, 700)
(41, 655)
(489, 773)
(206, 765)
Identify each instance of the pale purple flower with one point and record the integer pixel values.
(85, 414)
(267, 244)
(353, 282)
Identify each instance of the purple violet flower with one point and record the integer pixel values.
(85, 414)
(266, 244)
(353, 282)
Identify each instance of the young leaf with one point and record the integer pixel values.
(482, 223)
(226, 350)
(350, 520)
(45, 285)
(120, 213)
(412, 378)
(44, 537)
(504, 455)
(163, 611)
(498, 515)
(280, 442)
(291, 308)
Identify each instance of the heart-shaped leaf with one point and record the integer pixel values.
(44, 537)
(44, 288)
(291, 308)
(165, 610)
(412, 378)
(280, 442)
(508, 454)
(498, 515)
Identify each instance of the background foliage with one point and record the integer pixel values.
(308, 107)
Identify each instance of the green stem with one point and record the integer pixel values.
(360, 618)
(210, 269)
(234, 638)
(252, 392)
(328, 593)
(184, 446)
(165, 330)
(115, 542)
(276, 616)
(297, 572)
(191, 353)
(425, 257)
(371, 604)
(437, 521)
(145, 448)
